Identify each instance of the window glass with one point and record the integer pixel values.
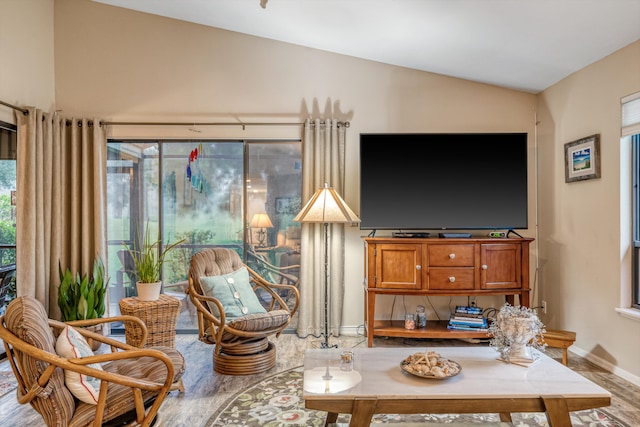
(8, 146)
(635, 148)
(273, 189)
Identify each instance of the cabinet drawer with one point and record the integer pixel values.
(451, 255)
(451, 278)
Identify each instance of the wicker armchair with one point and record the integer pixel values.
(242, 345)
(133, 381)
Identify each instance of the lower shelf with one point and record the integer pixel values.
(434, 329)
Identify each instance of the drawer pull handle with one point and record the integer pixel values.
(484, 266)
(452, 279)
(452, 256)
(418, 267)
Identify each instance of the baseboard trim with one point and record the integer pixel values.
(604, 364)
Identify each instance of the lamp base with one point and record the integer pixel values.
(325, 344)
(262, 235)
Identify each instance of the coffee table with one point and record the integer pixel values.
(374, 383)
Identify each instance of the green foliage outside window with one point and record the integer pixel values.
(178, 269)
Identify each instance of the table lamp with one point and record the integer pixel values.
(326, 206)
(261, 221)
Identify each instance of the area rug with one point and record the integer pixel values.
(277, 401)
(8, 382)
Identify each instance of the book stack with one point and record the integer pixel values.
(468, 319)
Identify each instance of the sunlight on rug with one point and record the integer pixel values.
(277, 401)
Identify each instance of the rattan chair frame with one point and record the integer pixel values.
(119, 351)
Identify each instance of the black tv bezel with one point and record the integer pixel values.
(465, 227)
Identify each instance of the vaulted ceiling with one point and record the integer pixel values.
(526, 45)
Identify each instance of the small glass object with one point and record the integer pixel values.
(346, 358)
(409, 321)
(421, 317)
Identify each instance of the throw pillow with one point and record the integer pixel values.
(234, 292)
(71, 344)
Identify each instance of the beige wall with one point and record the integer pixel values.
(122, 65)
(583, 243)
(141, 67)
(26, 43)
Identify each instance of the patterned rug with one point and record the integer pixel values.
(277, 401)
(7, 382)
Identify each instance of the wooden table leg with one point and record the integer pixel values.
(332, 417)
(363, 410)
(557, 411)
(505, 417)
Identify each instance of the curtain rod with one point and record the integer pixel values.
(23, 110)
(104, 123)
(243, 124)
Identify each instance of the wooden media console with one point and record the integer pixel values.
(442, 267)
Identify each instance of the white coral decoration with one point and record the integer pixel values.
(514, 330)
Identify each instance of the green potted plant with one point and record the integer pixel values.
(148, 261)
(83, 297)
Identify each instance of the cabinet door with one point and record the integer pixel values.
(501, 266)
(398, 266)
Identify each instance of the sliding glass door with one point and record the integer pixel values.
(206, 194)
(8, 146)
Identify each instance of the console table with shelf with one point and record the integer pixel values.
(442, 267)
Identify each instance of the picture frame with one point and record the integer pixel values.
(582, 159)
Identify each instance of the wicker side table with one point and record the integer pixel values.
(160, 316)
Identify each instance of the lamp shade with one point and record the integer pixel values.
(261, 220)
(326, 205)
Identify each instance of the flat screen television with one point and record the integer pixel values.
(443, 181)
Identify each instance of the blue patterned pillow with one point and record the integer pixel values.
(234, 292)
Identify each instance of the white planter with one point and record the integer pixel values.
(520, 332)
(148, 291)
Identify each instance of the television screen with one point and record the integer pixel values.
(452, 181)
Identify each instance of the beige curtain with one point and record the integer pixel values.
(323, 161)
(61, 201)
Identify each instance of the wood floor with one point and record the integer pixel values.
(206, 391)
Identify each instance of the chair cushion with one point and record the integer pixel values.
(251, 323)
(120, 398)
(260, 321)
(235, 293)
(71, 344)
(26, 318)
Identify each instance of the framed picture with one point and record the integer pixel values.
(582, 159)
(282, 204)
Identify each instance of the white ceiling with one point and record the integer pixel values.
(521, 44)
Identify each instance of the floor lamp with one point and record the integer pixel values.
(326, 206)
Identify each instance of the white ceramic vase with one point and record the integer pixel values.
(148, 291)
